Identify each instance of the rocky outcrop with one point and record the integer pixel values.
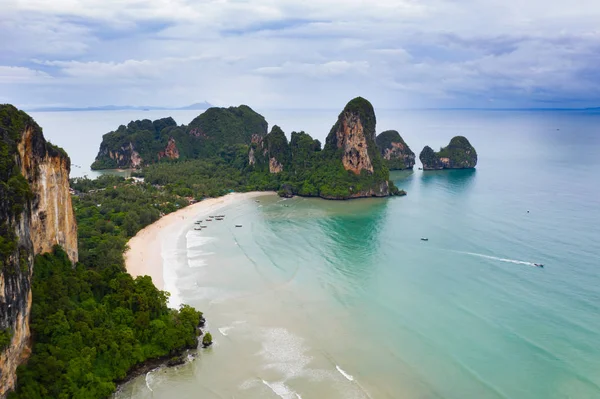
(47, 172)
(257, 149)
(352, 136)
(278, 150)
(395, 151)
(36, 214)
(123, 157)
(275, 166)
(142, 142)
(272, 150)
(171, 151)
(459, 154)
(352, 139)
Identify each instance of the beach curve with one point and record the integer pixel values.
(143, 254)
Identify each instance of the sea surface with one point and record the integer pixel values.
(324, 299)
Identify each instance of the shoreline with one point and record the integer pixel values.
(143, 256)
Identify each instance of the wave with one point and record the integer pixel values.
(223, 330)
(194, 240)
(195, 263)
(282, 390)
(518, 262)
(342, 372)
(147, 382)
(170, 263)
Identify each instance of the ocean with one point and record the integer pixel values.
(326, 299)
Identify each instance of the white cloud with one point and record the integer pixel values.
(324, 70)
(20, 75)
(271, 52)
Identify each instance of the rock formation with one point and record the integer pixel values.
(171, 151)
(396, 153)
(459, 154)
(271, 150)
(144, 142)
(349, 166)
(35, 214)
(352, 140)
(278, 150)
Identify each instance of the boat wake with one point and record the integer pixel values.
(342, 372)
(518, 262)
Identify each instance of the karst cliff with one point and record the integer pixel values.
(395, 152)
(350, 165)
(459, 154)
(35, 215)
(145, 142)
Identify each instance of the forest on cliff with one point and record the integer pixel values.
(228, 149)
(91, 323)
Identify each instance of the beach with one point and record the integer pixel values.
(143, 257)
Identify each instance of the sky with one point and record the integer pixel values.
(301, 53)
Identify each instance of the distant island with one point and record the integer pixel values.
(349, 165)
(195, 106)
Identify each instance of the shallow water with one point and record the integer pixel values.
(322, 299)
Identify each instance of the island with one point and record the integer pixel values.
(349, 165)
(396, 153)
(459, 154)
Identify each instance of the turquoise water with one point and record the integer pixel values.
(321, 299)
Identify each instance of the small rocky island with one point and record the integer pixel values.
(459, 154)
(395, 152)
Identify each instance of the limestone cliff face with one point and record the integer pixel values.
(272, 150)
(171, 151)
(350, 136)
(275, 166)
(257, 149)
(52, 218)
(459, 154)
(352, 139)
(395, 151)
(44, 218)
(123, 157)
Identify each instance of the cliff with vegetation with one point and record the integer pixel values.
(459, 154)
(350, 165)
(73, 322)
(145, 142)
(36, 214)
(233, 143)
(351, 142)
(396, 153)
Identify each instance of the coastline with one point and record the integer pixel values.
(143, 256)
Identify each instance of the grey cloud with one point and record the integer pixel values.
(429, 53)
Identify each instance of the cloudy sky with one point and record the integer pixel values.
(301, 53)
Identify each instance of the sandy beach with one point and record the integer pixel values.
(144, 254)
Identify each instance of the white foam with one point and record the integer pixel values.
(348, 376)
(197, 253)
(223, 330)
(147, 382)
(195, 240)
(284, 352)
(195, 263)
(282, 390)
(169, 261)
